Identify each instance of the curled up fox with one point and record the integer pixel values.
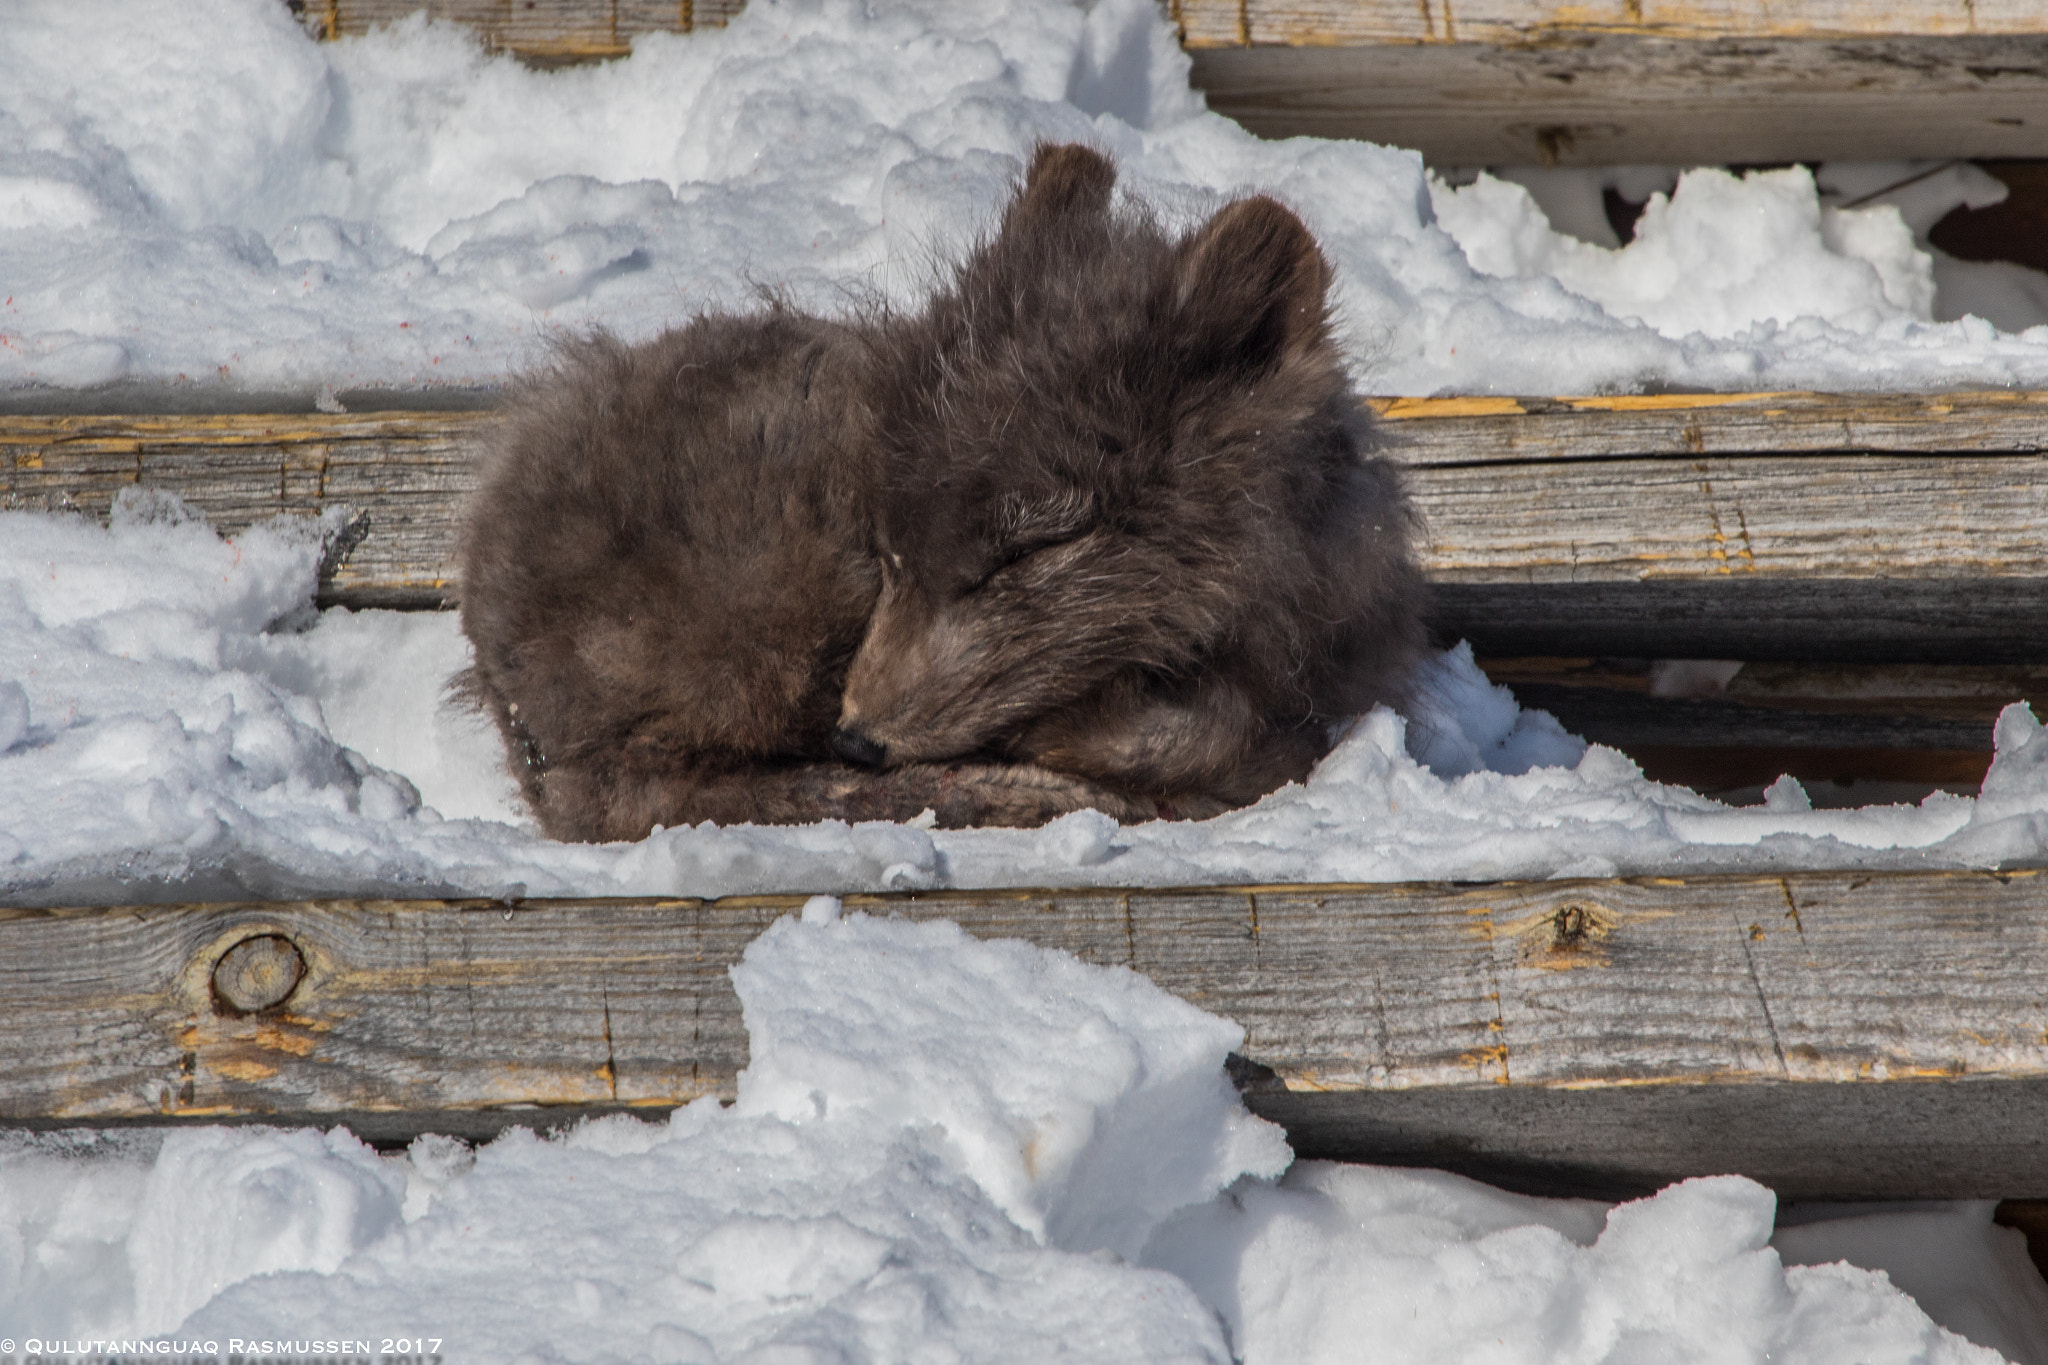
(1099, 525)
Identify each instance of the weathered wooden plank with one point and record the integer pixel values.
(1503, 430)
(403, 474)
(543, 29)
(554, 25)
(1756, 526)
(1607, 96)
(1323, 23)
(1804, 517)
(1614, 1034)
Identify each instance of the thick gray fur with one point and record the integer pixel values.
(1099, 526)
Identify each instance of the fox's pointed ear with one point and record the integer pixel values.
(1065, 180)
(1250, 286)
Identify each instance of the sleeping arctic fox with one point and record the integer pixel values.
(1100, 526)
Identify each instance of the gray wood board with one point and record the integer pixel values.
(535, 28)
(1629, 1031)
(1765, 526)
(1591, 98)
(403, 475)
(1209, 23)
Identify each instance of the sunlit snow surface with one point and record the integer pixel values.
(196, 193)
(177, 723)
(946, 1150)
(943, 1150)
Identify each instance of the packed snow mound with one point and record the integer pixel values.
(855, 1204)
(177, 723)
(1718, 257)
(942, 1150)
(199, 194)
(1432, 1267)
(1069, 1144)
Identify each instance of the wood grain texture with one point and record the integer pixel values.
(1744, 526)
(1866, 516)
(1309, 23)
(1503, 430)
(553, 25)
(1570, 1033)
(402, 475)
(1607, 97)
(550, 30)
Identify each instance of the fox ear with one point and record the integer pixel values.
(1065, 180)
(1250, 286)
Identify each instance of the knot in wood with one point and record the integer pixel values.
(257, 974)
(1571, 925)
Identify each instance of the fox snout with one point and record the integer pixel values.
(855, 747)
(926, 685)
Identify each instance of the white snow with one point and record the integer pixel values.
(1431, 1267)
(947, 1150)
(198, 195)
(177, 723)
(942, 1149)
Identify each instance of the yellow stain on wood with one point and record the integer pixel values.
(1479, 1059)
(1669, 402)
(246, 1069)
(1406, 409)
(1310, 1082)
(295, 1035)
(1881, 1070)
(1732, 1075)
(131, 434)
(1777, 404)
(289, 1039)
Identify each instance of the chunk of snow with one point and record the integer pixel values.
(200, 194)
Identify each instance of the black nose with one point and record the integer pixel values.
(857, 748)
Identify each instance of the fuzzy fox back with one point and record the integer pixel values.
(1100, 525)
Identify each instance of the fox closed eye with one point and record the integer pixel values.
(1010, 559)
